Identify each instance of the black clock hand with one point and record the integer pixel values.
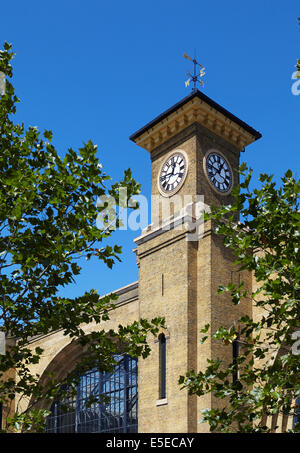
(221, 167)
(219, 171)
(168, 175)
(178, 173)
(213, 168)
(172, 173)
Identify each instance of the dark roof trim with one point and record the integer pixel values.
(208, 101)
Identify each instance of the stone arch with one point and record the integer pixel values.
(162, 331)
(63, 362)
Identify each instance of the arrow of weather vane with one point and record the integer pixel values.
(194, 77)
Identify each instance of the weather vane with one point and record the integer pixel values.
(196, 77)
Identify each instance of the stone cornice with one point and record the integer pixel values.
(195, 110)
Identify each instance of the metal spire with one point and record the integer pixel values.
(196, 77)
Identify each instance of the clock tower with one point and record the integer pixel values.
(194, 148)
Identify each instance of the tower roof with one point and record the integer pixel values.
(197, 107)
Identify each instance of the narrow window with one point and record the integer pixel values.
(235, 354)
(162, 366)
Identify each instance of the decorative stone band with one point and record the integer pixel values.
(190, 218)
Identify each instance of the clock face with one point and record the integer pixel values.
(219, 172)
(172, 173)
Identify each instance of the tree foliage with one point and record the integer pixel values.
(266, 242)
(48, 218)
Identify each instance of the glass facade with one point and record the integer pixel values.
(118, 415)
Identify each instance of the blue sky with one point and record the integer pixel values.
(101, 70)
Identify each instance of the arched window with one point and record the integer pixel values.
(118, 415)
(162, 366)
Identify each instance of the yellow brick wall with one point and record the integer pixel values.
(173, 305)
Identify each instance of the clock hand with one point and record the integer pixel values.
(221, 167)
(219, 171)
(172, 173)
(175, 174)
(213, 168)
(168, 175)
